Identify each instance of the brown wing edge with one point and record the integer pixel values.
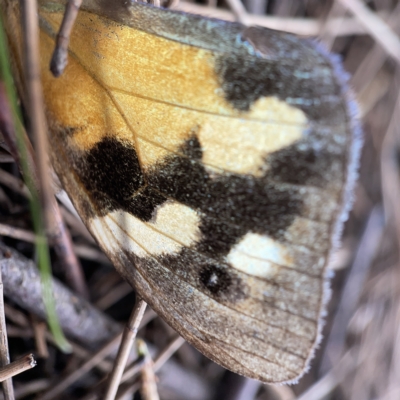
(355, 136)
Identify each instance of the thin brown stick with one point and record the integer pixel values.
(167, 353)
(80, 352)
(148, 388)
(13, 183)
(5, 158)
(86, 252)
(32, 387)
(390, 170)
(17, 233)
(375, 26)
(35, 106)
(321, 388)
(243, 388)
(71, 217)
(375, 58)
(8, 388)
(56, 390)
(133, 369)
(328, 36)
(58, 235)
(159, 361)
(238, 10)
(366, 251)
(59, 59)
(62, 243)
(281, 392)
(101, 385)
(300, 26)
(6, 119)
(16, 367)
(129, 391)
(129, 336)
(90, 253)
(16, 316)
(256, 7)
(39, 330)
(114, 295)
(10, 137)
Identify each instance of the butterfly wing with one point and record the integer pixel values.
(214, 165)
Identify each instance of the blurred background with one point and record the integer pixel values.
(359, 357)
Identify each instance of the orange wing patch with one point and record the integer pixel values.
(126, 101)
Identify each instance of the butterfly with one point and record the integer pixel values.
(213, 163)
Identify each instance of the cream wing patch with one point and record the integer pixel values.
(241, 148)
(174, 226)
(233, 144)
(259, 255)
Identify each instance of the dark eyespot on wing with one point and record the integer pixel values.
(211, 276)
(215, 279)
(290, 70)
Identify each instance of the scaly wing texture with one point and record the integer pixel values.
(214, 164)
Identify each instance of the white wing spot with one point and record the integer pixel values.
(175, 226)
(259, 255)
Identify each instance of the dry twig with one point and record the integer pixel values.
(376, 27)
(60, 55)
(77, 317)
(128, 337)
(148, 388)
(4, 354)
(15, 368)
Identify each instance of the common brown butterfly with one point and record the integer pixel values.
(214, 164)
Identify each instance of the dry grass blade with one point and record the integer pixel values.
(40, 330)
(380, 30)
(390, 168)
(13, 183)
(376, 58)
(368, 247)
(128, 337)
(330, 381)
(10, 231)
(238, 10)
(85, 252)
(300, 26)
(166, 354)
(159, 361)
(52, 220)
(35, 108)
(148, 389)
(56, 390)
